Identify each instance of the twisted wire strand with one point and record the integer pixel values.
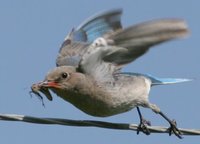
(91, 123)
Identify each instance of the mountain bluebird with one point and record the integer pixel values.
(88, 73)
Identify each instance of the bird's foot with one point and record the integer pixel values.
(174, 129)
(143, 126)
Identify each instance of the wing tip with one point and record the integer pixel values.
(163, 81)
(160, 81)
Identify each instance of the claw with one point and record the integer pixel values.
(143, 126)
(174, 129)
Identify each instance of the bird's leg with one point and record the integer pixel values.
(143, 124)
(172, 128)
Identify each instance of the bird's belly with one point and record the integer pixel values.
(104, 109)
(104, 105)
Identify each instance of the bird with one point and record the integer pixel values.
(88, 72)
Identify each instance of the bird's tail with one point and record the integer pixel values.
(159, 81)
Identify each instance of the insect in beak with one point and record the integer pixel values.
(40, 87)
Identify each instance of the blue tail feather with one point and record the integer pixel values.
(159, 81)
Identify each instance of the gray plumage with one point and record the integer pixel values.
(91, 57)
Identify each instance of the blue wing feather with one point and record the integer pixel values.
(98, 25)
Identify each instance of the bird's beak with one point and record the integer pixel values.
(49, 84)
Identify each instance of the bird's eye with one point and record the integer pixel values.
(65, 75)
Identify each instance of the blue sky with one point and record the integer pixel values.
(31, 33)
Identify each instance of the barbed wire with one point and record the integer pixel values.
(91, 123)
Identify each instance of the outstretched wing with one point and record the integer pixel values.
(107, 55)
(77, 41)
(136, 40)
(98, 25)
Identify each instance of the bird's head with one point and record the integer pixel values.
(59, 80)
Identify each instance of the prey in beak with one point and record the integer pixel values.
(42, 87)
